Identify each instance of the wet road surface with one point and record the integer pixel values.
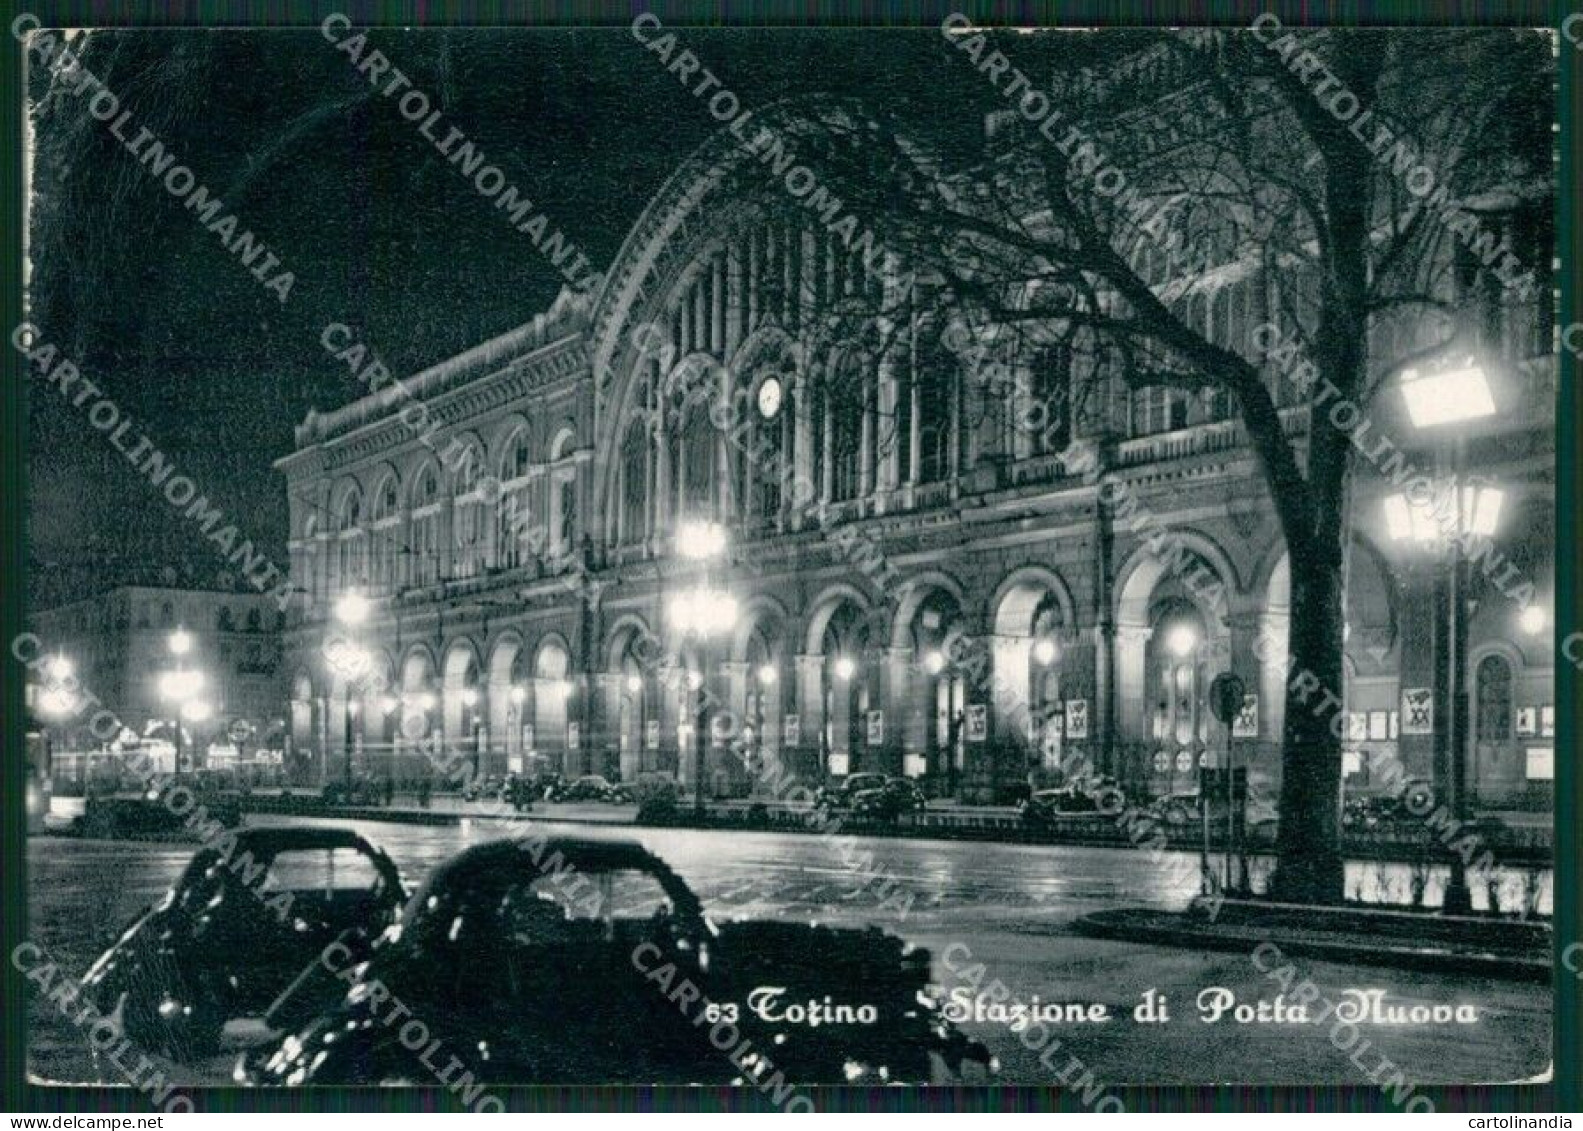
(986, 911)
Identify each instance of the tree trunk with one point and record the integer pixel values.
(1309, 867)
(1308, 849)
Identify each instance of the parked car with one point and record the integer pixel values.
(889, 801)
(491, 788)
(1411, 800)
(147, 811)
(522, 977)
(840, 795)
(234, 932)
(590, 787)
(517, 792)
(361, 790)
(1180, 810)
(1049, 805)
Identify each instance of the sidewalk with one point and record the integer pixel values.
(940, 821)
(1496, 948)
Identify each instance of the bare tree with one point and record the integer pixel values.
(1178, 161)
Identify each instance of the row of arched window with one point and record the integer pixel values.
(476, 517)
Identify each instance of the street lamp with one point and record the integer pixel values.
(1533, 620)
(1454, 395)
(350, 661)
(933, 663)
(180, 687)
(1044, 652)
(701, 611)
(1457, 394)
(514, 700)
(474, 725)
(845, 667)
(1180, 640)
(352, 608)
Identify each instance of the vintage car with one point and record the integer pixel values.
(570, 961)
(895, 797)
(841, 794)
(233, 932)
(1046, 806)
(361, 790)
(590, 787)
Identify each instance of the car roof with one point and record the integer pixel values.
(513, 853)
(279, 838)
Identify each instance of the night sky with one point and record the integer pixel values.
(379, 230)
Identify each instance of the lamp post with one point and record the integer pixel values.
(1438, 400)
(470, 701)
(701, 612)
(513, 731)
(1044, 654)
(180, 686)
(768, 677)
(350, 661)
(388, 706)
(55, 699)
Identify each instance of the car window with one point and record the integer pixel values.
(322, 870)
(560, 908)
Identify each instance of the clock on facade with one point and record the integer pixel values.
(769, 397)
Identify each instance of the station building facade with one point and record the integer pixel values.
(948, 561)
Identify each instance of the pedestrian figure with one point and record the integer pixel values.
(390, 791)
(423, 792)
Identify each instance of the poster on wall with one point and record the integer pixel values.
(876, 728)
(1527, 722)
(1547, 721)
(1379, 726)
(791, 730)
(1077, 718)
(1357, 726)
(651, 734)
(574, 736)
(1418, 710)
(977, 722)
(527, 737)
(1050, 746)
(1246, 724)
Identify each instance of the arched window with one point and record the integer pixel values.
(1046, 414)
(467, 516)
(386, 533)
(842, 411)
(698, 470)
(424, 544)
(935, 404)
(563, 494)
(513, 515)
(518, 457)
(634, 483)
(349, 541)
(1494, 699)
